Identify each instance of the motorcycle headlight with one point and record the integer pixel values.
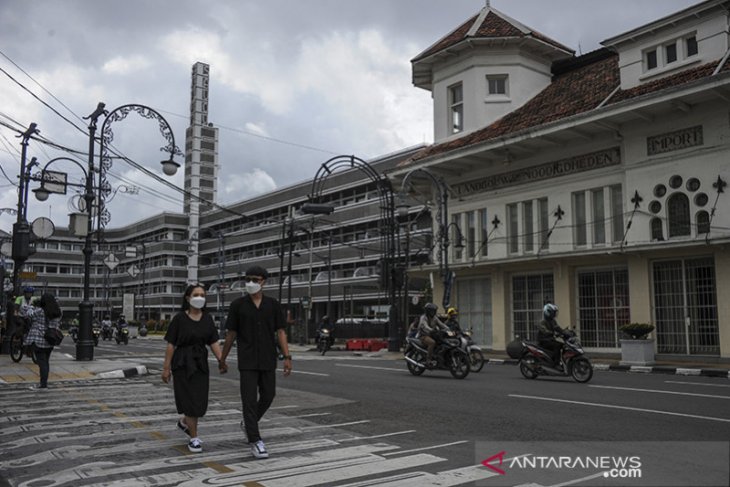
(325, 330)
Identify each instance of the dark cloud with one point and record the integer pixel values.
(329, 74)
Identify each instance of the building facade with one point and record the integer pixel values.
(594, 181)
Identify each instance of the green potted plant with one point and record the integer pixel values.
(636, 346)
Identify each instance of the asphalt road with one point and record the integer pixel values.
(677, 428)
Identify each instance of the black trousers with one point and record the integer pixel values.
(258, 388)
(43, 356)
(553, 347)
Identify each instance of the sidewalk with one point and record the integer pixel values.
(65, 368)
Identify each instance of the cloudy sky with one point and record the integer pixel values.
(293, 82)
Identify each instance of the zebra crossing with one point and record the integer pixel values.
(122, 433)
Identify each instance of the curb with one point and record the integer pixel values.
(123, 373)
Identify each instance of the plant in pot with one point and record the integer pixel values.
(636, 347)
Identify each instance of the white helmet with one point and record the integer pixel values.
(550, 311)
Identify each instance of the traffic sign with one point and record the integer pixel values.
(31, 276)
(111, 261)
(133, 270)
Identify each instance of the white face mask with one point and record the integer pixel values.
(197, 302)
(253, 287)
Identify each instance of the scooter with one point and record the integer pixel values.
(324, 340)
(448, 355)
(534, 361)
(107, 333)
(476, 357)
(122, 336)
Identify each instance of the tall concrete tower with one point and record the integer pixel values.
(201, 162)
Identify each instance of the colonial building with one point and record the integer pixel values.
(597, 181)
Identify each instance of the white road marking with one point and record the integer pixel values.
(356, 438)
(321, 426)
(657, 391)
(448, 478)
(306, 373)
(370, 367)
(611, 406)
(432, 447)
(696, 383)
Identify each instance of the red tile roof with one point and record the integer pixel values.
(493, 26)
(572, 92)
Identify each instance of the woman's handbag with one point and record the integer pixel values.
(54, 336)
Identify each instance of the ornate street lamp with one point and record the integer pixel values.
(85, 345)
(443, 225)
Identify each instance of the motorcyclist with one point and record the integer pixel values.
(27, 297)
(452, 320)
(430, 329)
(121, 323)
(325, 324)
(106, 325)
(547, 330)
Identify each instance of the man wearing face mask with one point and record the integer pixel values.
(253, 321)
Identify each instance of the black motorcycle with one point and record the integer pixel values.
(122, 336)
(325, 340)
(107, 333)
(448, 355)
(95, 333)
(534, 361)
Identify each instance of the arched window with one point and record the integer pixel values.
(678, 215)
(703, 222)
(657, 232)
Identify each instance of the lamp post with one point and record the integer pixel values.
(85, 345)
(217, 234)
(443, 225)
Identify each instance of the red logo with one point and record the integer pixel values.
(499, 456)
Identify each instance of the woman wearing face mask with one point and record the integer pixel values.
(186, 360)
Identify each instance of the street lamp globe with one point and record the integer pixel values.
(41, 194)
(169, 167)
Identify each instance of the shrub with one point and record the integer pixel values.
(637, 331)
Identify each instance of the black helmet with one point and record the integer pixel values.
(550, 311)
(430, 309)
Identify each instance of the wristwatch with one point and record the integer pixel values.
(287, 357)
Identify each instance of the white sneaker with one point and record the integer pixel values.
(258, 450)
(195, 445)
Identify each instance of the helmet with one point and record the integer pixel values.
(28, 289)
(550, 311)
(452, 312)
(430, 309)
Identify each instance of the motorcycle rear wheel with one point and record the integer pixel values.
(415, 369)
(460, 365)
(476, 360)
(526, 367)
(581, 370)
(16, 349)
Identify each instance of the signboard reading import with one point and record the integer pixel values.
(679, 139)
(573, 165)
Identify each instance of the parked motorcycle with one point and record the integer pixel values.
(449, 354)
(324, 340)
(476, 357)
(122, 336)
(534, 361)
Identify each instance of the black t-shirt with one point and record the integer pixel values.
(255, 329)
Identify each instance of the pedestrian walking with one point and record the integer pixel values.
(254, 320)
(44, 313)
(186, 361)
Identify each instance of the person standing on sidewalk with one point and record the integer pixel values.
(45, 314)
(186, 360)
(253, 321)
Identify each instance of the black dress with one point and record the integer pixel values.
(190, 375)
